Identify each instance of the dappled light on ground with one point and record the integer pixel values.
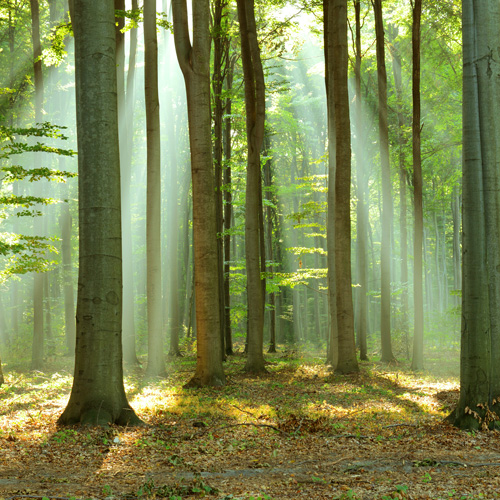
(299, 431)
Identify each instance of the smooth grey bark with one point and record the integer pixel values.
(194, 60)
(98, 394)
(479, 367)
(156, 358)
(418, 333)
(255, 106)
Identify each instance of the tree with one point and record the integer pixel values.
(156, 362)
(37, 350)
(361, 206)
(98, 395)
(337, 66)
(255, 105)
(418, 335)
(385, 258)
(479, 367)
(194, 60)
(329, 20)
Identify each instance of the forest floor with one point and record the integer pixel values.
(297, 432)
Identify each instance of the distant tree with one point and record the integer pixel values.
(480, 342)
(38, 337)
(98, 395)
(385, 258)
(361, 205)
(194, 60)
(156, 360)
(255, 105)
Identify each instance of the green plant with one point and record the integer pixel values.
(65, 435)
(107, 490)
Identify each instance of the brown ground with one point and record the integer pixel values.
(298, 432)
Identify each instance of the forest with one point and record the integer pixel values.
(249, 249)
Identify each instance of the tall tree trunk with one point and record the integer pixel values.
(479, 371)
(126, 120)
(418, 334)
(255, 118)
(194, 60)
(361, 210)
(228, 207)
(38, 340)
(270, 217)
(219, 64)
(403, 204)
(98, 395)
(332, 345)
(347, 362)
(156, 359)
(385, 259)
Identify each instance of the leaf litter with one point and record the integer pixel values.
(299, 431)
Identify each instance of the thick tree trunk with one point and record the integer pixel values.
(194, 60)
(156, 359)
(98, 395)
(479, 377)
(418, 334)
(385, 259)
(255, 118)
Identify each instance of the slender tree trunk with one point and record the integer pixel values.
(125, 115)
(219, 64)
(194, 60)
(361, 211)
(255, 118)
(98, 395)
(385, 259)
(329, 20)
(228, 208)
(270, 217)
(156, 360)
(38, 316)
(418, 335)
(403, 204)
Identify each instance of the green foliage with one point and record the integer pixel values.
(21, 253)
(56, 52)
